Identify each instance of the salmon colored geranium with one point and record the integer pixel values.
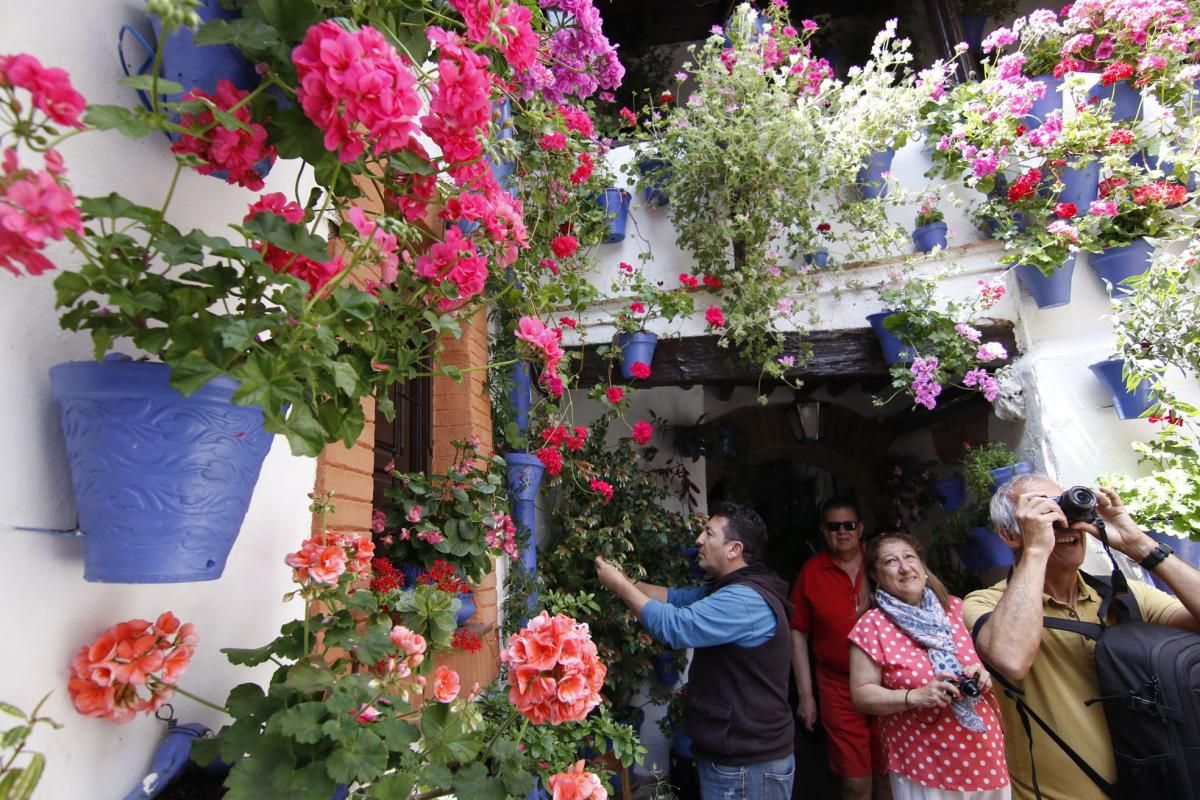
(106, 675)
(575, 784)
(555, 674)
(446, 685)
(323, 558)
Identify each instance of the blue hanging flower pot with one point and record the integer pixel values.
(1129, 404)
(985, 551)
(928, 237)
(615, 203)
(818, 258)
(162, 481)
(1126, 100)
(635, 348)
(872, 178)
(1002, 474)
(655, 176)
(1051, 100)
(1081, 185)
(1115, 264)
(1049, 291)
(952, 491)
(894, 350)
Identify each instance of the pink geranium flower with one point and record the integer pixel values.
(234, 151)
(576, 784)
(642, 431)
(554, 670)
(446, 684)
(35, 208)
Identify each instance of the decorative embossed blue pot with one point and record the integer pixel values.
(162, 481)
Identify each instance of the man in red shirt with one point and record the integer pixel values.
(826, 598)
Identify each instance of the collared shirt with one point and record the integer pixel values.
(826, 608)
(732, 615)
(1062, 677)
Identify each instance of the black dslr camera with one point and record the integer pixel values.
(1078, 504)
(967, 685)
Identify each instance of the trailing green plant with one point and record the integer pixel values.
(20, 769)
(607, 507)
(979, 461)
(1168, 498)
(928, 211)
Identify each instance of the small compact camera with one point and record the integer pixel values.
(968, 686)
(1078, 504)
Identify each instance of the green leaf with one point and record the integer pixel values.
(363, 600)
(246, 700)
(446, 741)
(266, 772)
(117, 118)
(304, 434)
(13, 736)
(191, 372)
(10, 709)
(474, 781)
(249, 657)
(397, 733)
(235, 741)
(245, 33)
(146, 83)
(292, 18)
(287, 236)
(437, 775)
(397, 786)
(302, 722)
(452, 372)
(313, 675)
(345, 377)
(22, 788)
(294, 136)
(361, 758)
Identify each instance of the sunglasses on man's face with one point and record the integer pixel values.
(833, 527)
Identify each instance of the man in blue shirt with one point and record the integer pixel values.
(738, 714)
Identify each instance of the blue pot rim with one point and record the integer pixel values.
(102, 376)
(523, 460)
(639, 337)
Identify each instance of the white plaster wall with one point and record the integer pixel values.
(50, 610)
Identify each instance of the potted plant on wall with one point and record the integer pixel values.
(930, 232)
(645, 299)
(941, 343)
(976, 13)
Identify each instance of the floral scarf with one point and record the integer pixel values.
(928, 625)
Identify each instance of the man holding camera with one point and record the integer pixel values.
(1055, 669)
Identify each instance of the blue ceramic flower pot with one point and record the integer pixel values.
(615, 203)
(818, 259)
(1116, 264)
(524, 475)
(1049, 291)
(636, 347)
(1002, 474)
(169, 760)
(664, 669)
(952, 491)
(1081, 185)
(1127, 101)
(973, 27)
(928, 237)
(871, 180)
(162, 481)
(654, 181)
(894, 350)
(1050, 101)
(467, 610)
(985, 551)
(1129, 404)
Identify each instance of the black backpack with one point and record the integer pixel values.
(1149, 677)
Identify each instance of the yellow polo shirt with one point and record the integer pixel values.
(1063, 675)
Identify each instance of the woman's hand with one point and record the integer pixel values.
(938, 693)
(983, 677)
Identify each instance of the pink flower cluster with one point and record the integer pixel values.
(107, 675)
(554, 670)
(315, 273)
(925, 387)
(501, 534)
(233, 151)
(602, 488)
(356, 88)
(505, 26)
(454, 264)
(35, 208)
(460, 106)
(324, 557)
(544, 342)
(50, 87)
(576, 784)
(980, 379)
(555, 438)
(581, 58)
(411, 652)
(642, 431)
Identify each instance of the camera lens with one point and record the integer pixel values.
(1078, 503)
(969, 686)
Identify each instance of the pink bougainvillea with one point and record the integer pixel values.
(356, 88)
(554, 670)
(234, 151)
(107, 676)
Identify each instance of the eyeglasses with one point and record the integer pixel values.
(833, 527)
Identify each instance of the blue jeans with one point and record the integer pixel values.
(766, 780)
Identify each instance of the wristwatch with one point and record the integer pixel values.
(1156, 556)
